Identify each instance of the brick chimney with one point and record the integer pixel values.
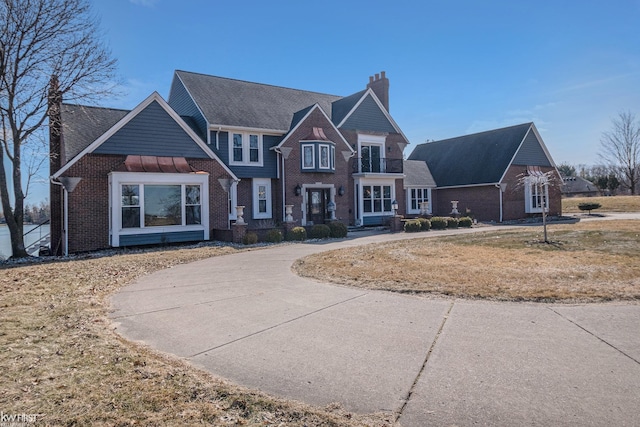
(380, 86)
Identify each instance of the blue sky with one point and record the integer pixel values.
(455, 67)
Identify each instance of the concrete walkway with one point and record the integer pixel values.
(248, 318)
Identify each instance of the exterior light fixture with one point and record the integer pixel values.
(298, 190)
(341, 190)
(394, 206)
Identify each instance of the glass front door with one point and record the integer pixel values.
(317, 200)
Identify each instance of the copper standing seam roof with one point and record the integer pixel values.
(134, 163)
(316, 135)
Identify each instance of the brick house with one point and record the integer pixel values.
(487, 174)
(312, 151)
(174, 171)
(125, 178)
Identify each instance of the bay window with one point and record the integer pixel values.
(156, 207)
(317, 156)
(151, 205)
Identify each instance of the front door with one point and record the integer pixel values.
(317, 199)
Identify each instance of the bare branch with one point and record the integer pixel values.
(620, 149)
(40, 39)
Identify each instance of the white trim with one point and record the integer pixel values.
(233, 195)
(230, 128)
(305, 200)
(246, 149)
(117, 179)
(155, 96)
(528, 197)
(368, 140)
(295, 128)
(256, 183)
(328, 148)
(384, 111)
(184, 86)
(409, 199)
(488, 184)
(360, 182)
(313, 156)
(532, 126)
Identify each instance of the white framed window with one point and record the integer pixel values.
(245, 149)
(308, 157)
(416, 196)
(325, 163)
(261, 198)
(318, 157)
(160, 205)
(376, 198)
(371, 153)
(147, 203)
(536, 196)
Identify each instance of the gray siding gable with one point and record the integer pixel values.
(531, 152)
(369, 117)
(152, 132)
(184, 105)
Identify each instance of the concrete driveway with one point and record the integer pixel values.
(248, 318)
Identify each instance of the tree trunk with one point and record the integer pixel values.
(14, 222)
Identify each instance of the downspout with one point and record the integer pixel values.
(499, 187)
(68, 184)
(282, 180)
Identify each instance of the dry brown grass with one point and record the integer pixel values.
(591, 261)
(61, 358)
(609, 204)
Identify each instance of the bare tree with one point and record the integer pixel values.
(539, 183)
(620, 148)
(42, 41)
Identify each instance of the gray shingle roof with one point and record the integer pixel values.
(240, 103)
(417, 174)
(480, 158)
(82, 125)
(576, 184)
(342, 107)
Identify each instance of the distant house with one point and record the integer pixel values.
(484, 173)
(173, 171)
(575, 186)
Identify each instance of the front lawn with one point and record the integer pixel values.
(590, 261)
(609, 204)
(62, 360)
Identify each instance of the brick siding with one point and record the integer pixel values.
(89, 202)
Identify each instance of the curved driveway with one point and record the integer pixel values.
(248, 318)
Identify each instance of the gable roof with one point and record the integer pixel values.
(237, 103)
(368, 100)
(477, 159)
(92, 135)
(342, 107)
(417, 174)
(83, 124)
(576, 184)
(301, 117)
